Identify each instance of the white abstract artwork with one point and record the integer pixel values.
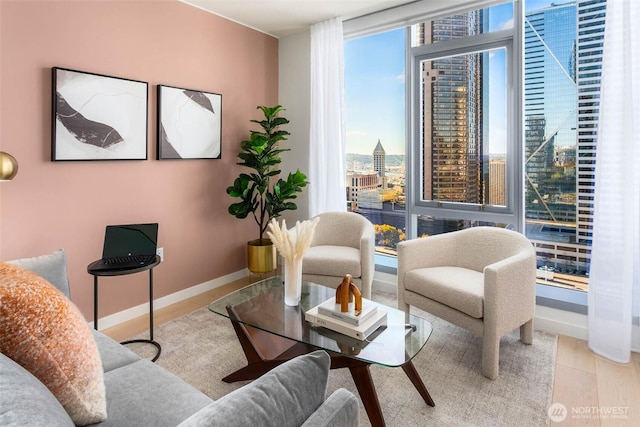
(189, 124)
(98, 117)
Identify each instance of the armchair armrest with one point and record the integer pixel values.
(509, 291)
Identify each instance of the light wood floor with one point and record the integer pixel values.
(593, 390)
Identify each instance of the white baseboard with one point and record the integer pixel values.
(561, 322)
(143, 309)
(385, 282)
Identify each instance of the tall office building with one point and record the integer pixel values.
(590, 23)
(359, 183)
(550, 111)
(497, 189)
(379, 164)
(452, 94)
(563, 62)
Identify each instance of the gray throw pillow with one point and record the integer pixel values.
(51, 267)
(285, 396)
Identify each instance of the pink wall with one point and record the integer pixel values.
(67, 204)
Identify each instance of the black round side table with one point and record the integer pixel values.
(121, 272)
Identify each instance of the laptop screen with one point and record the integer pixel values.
(130, 240)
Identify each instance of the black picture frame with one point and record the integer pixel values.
(189, 124)
(98, 117)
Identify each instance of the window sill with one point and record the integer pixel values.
(561, 298)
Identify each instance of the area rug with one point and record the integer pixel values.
(201, 348)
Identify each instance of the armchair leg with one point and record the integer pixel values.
(526, 332)
(403, 306)
(490, 357)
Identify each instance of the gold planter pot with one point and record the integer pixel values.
(261, 258)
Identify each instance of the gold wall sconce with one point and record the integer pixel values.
(8, 166)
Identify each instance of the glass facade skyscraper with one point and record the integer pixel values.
(452, 94)
(563, 60)
(550, 114)
(591, 14)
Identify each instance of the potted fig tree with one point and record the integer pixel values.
(262, 194)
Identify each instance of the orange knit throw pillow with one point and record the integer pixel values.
(46, 333)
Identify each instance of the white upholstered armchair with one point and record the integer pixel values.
(481, 279)
(344, 243)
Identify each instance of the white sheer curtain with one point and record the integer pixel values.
(327, 130)
(614, 280)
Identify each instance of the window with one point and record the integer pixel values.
(463, 159)
(483, 147)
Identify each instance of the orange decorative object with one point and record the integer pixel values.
(345, 293)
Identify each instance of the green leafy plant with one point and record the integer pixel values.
(261, 193)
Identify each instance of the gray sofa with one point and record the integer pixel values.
(141, 393)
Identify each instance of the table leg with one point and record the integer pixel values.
(413, 375)
(150, 340)
(151, 304)
(364, 383)
(95, 302)
(264, 351)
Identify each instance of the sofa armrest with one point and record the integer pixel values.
(25, 401)
(285, 396)
(339, 410)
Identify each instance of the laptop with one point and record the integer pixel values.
(128, 246)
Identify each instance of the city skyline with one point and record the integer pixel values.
(562, 63)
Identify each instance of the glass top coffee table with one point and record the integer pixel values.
(271, 333)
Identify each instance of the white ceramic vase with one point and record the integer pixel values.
(292, 281)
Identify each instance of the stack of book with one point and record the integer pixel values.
(356, 324)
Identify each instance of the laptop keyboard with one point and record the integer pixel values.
(138, 259)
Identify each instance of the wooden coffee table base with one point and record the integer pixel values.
(265, 351)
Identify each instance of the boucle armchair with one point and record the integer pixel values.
(343, 243)
(481, 279)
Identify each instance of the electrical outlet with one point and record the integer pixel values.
(160, 253)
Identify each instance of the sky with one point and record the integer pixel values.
(374, 92)
(375, 88)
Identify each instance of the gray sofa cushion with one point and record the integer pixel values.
(113, 354)
(286, 396)
(143, 394)
(25, 401)
(51, 267)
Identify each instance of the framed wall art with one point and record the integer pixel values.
(98, 117)
(189, 124)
